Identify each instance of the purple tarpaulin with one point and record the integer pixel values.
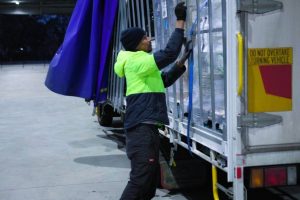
(79, 66)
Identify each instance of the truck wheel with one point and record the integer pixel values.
(105, 114)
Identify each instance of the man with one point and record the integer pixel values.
(146, 104)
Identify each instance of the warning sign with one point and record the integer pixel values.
(270, 79)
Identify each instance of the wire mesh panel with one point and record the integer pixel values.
(206, 19)
(131, 13)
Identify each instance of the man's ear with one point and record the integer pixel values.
(138, 47)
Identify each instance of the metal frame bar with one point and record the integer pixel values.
(273, 148)
(200, 67)
(244, 97)
(110, 72)
(213, 30)
(148, 17)
(124, 26)
(201, 131)
(155, 23)
(114, 85)
(128, 14)
(224, 33)
(128, 11)
(116, 93)
(178, 140)
(175, 113)
(132, 12)
(233, 137)
(137, 4)
(143, 15)
(174, 106)
(117, 78)
(181, 98)
(212, 66)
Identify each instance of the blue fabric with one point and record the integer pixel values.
(79, 66)
(191, 79)
(190, 102)
(191, 85)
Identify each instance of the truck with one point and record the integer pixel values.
(237, 107)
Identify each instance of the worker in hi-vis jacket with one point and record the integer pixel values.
(146, 108)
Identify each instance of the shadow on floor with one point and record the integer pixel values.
(116, 161)
(115, 137)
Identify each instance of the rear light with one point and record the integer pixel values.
(257, 178)
(273, 176)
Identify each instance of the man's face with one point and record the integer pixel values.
(145, 45)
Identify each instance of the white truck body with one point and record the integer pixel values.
(221, 121)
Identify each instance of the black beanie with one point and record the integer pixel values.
(131, 38)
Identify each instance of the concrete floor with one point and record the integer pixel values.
(51, 148)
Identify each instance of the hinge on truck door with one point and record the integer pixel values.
(258, 6)
(258, 120)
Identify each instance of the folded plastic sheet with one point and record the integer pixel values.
(79, 66)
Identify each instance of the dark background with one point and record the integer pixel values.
(31, 37)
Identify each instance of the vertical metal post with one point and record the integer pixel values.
(155, 21)
(163, 24)
(132, 12)
(224, 34)
(110, 71)
(120, 80)
(138, 13)
(116, 104)
(148, 16)
(181, 98)
(116, 94)
(163, 43)
(212, 66)
(116, 47)
(143, 15)
(200, 65)
(109, 75)
(128, 13)
(175, 111)
(244, 97)
(127, 24)
(190, 22)
(115, 53)
(117, 79)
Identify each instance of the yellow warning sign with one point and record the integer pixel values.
(270, 79)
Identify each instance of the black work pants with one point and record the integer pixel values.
(142, 148)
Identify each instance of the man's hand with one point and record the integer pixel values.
(187, 51)
(180, 11)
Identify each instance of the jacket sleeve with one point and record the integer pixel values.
(119, 70)
(168, 55)
(170, 76)
(119, 65)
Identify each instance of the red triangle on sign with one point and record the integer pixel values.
(277, 79)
